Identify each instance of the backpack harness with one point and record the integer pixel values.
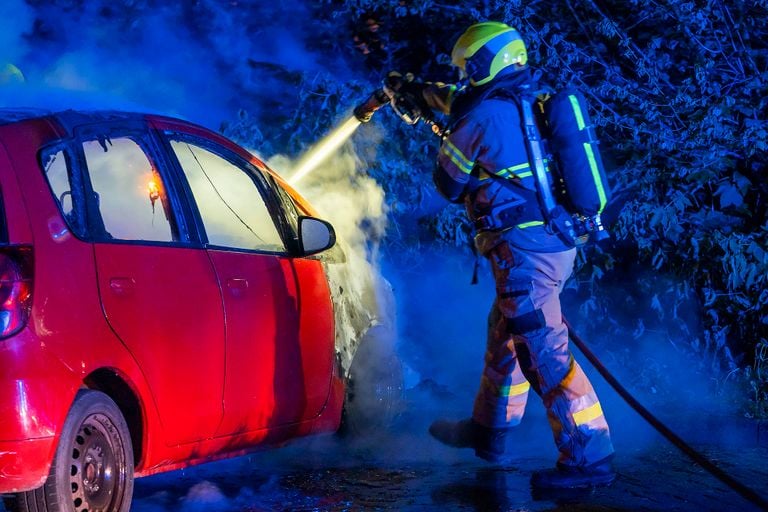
(571, 208)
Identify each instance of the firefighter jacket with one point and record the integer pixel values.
(483, 162)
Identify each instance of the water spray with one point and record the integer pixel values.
(320, 151)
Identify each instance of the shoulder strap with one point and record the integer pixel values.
(536, 157)
(533, 146)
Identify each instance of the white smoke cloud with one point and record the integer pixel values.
(355, 204)
(204, 496)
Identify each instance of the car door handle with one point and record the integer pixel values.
(237, 283)
(122, 285)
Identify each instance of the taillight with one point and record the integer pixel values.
(16, 271)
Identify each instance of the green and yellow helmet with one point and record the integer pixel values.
(484, 49)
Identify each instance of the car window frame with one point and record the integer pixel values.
(74, 175)
(260, 181)
(285, 200)
(140, 134)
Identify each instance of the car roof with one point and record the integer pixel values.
(68, 118)
(71, 118)
(13, 115)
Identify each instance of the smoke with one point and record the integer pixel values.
(436, 325)
(658, 367)
(354, 203)
(230, 485)
(201, 61)
(90, 57)
(443, 317)
(15, 20)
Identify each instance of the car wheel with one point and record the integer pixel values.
(92, 469)
(374, 397)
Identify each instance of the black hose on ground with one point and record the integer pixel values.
(673, 438)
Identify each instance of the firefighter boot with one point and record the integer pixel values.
(598, 474)
(489, 443)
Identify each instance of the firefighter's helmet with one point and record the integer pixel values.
(484, 49)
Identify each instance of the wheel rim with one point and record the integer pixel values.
(97, 466)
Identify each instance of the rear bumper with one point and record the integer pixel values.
(24, 465)
(36, 390)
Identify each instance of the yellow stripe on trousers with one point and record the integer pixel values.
(514, 390)
(586, 415)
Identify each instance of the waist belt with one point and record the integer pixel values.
(520, 214)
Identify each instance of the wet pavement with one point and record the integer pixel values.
(407, 470)
(403, 469)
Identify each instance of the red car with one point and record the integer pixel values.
(163, 302)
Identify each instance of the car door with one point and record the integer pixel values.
(278, 362)
(158, 288)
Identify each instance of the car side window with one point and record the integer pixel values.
(128, 191)
(56, 163)
(231, 206)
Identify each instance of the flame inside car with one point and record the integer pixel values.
(154, 190)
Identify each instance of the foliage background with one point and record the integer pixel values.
(680, 96)
(679, 90)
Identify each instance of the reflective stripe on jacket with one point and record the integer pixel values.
(483, 162)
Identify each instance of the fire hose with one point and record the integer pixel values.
(746, 492)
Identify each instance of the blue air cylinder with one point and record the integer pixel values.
(582, 187)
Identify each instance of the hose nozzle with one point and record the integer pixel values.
(374, 102)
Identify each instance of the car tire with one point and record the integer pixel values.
(374, 386)
(93, 466)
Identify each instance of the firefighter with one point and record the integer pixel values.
(483, 163)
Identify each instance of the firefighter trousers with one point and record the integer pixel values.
(527, 347)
